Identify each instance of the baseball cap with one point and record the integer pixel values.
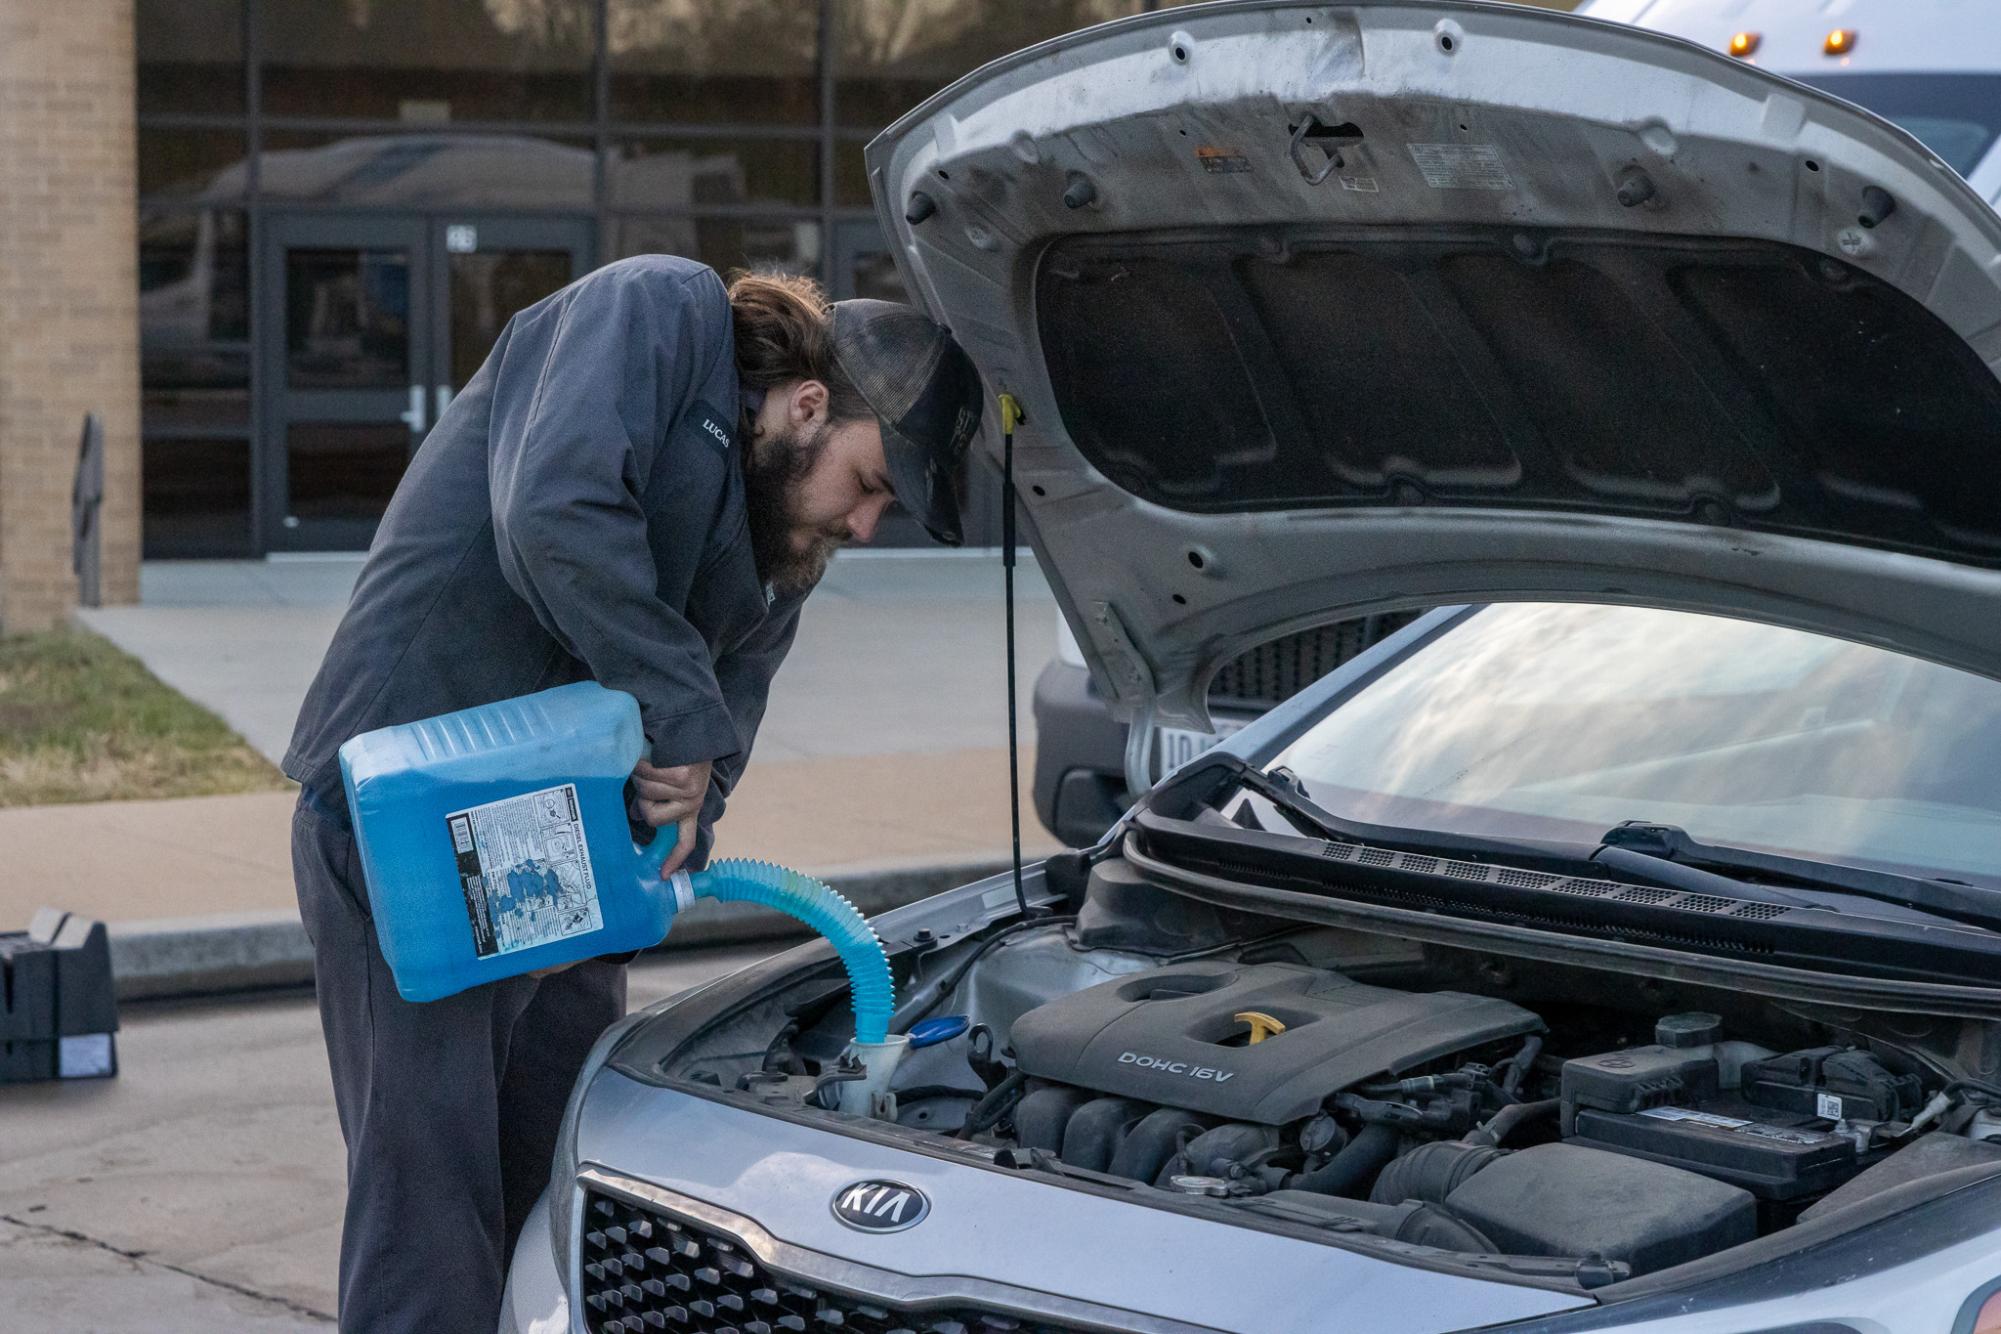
(922, 387)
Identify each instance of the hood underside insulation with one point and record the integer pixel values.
(1740, 383)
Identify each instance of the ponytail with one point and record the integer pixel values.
(785, 332)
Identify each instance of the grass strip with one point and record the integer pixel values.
(82, 721)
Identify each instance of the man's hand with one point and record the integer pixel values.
(663, 797)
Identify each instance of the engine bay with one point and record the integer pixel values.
(1440, 1101)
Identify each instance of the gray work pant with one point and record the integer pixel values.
(449, 1108)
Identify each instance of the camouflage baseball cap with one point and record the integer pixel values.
(922, 387)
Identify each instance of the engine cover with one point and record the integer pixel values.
(1171, 1036)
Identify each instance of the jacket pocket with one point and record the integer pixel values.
(326, 866)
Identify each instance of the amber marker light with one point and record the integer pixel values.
(1742, 44)
(1839, 42)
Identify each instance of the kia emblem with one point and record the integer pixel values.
(880, 1206)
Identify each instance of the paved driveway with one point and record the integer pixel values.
(201, 1189)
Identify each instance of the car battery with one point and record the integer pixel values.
(58, 1011)
(1635, 1079)
(1775, 1156)
(1774, 1136)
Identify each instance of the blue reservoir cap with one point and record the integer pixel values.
(942, 1029)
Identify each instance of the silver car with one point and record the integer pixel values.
(1618, 946)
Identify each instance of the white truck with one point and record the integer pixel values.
(1931, 66)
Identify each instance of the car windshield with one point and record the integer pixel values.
(1954, 115)
(1557, 722)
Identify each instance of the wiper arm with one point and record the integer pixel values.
(1205, 779)
(1674, 846)
(1670, 874)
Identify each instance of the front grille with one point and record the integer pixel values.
(644, 1270)
(1273, 673)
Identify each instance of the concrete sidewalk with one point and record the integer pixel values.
(127, 860)
(198, 892)
(898, 652)
(881, 764)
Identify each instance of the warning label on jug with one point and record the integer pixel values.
(525, 870)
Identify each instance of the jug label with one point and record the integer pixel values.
(525, 870)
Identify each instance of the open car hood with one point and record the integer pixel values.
(1317, 309)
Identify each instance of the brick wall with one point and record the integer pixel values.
(69, 290)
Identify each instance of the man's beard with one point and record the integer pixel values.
(773, 468)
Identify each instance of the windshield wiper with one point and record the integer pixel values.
(1203, 780)
(1671, 845)
(1206, 778)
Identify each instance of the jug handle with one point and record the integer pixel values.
(653, 854)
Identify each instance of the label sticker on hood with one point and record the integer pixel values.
(1461, 166)
(1222, 161)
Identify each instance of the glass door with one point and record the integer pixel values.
(384, 319)
(344, 384)
(863, 264)
(484, 269)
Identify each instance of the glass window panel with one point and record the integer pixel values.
(347, 319)
(428, 170)
(872, 274)
(892, 54)
(721, 243)
(194, 319)
(199, 164)
(343, 470)
(861, 263)
(716, 60)
(190, 55)
(195, 497)
(428, 60)
(671, 173)
(851, 174)
(487, 288)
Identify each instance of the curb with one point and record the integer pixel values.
(229, 952)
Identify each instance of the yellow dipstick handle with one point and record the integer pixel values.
(1262, 1025)
(1011, 414)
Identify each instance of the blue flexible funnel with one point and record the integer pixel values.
(871, 990)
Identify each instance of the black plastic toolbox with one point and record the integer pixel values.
(58, 1009)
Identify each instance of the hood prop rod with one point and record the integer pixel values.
(1011, 416)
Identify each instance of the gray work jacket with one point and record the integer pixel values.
(576, 514)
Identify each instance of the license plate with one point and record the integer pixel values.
(1175, 746)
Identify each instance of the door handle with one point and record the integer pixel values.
(413, 416)
(444, 393)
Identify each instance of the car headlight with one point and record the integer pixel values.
(1067, 650)
(563, 1167)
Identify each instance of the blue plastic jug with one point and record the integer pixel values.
(494, 840)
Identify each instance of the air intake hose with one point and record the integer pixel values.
(1350, 1171)
(871, 990)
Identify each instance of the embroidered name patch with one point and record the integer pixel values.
(713, 425)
